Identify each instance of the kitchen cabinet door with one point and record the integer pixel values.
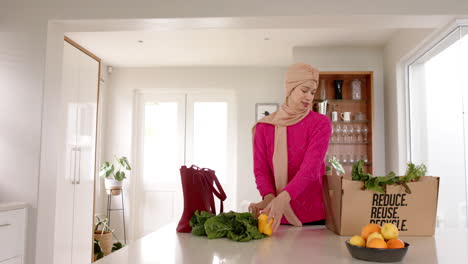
(75, 186)
(66, 163)
(85, 165)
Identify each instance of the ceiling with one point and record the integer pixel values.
(239, 42)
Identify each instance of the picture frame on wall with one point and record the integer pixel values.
(265, 109)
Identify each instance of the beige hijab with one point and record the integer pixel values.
(286, 116)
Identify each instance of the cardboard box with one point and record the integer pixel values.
(349, 208)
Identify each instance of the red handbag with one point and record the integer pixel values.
(198, 188)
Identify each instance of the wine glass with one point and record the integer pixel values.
(365, 131)
(358, 134)
(345, 133)
(364, 158)
(343, 159)
(351, 134)
(338, 132)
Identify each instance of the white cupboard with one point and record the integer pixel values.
(76, 164)
(12, 236)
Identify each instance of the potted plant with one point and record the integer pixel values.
(113, 177)
(336, 165)
(102, 239)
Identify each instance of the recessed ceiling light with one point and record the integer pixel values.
(140, 41)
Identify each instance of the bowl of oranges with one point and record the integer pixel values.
(378, 244)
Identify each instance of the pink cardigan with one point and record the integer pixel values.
(307, 146)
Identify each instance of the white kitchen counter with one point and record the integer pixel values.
(7, 206)
(310, 244)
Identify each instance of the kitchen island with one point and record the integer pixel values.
(309, 244)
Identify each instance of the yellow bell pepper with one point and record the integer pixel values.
(264, 227)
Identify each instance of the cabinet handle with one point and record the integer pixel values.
(5, 225)
(78, 149)
(72, 168)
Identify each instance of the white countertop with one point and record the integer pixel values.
(310, 244)
(4, 206)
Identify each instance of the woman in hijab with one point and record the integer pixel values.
(289, 151)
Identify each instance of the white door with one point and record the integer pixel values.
(211, 140)
(161, 145)
(85, 160)
(76, 164)
(65, 165)
(173, 130)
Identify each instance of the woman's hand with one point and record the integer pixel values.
(255, 208)
(276, 207)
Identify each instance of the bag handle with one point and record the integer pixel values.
(208, 178)
(220, 192)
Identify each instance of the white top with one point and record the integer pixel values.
(12, 206)
(309, 244)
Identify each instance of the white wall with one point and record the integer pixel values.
(251, 85)
(26, 42)
(355, 59)
(396, 52)
(21, 84)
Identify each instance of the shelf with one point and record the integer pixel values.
(351, 122)
(353, 143)
(365, 164)
(343, 101)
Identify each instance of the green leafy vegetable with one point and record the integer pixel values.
(218, 226)
(379, 184)
(197, 222)
(240, 227)
(245, 228)
(413, 172)
(357, 172)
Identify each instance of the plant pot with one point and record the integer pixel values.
(113, 187)
(105, 240)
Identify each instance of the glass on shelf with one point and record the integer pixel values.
(358, 134)
(343, 159)
(351, 134)
(364, 132)
(364, 158)
(345, 134)
(338, 133)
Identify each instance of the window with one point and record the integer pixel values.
(438, 99)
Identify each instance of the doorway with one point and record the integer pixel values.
(173, 129)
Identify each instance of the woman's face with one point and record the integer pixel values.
(302, 96)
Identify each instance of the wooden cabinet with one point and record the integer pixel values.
(76, 165)
(351, 140)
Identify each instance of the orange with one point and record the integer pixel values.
(395, 243)
(374, 236)
(368, 229)
(376, 243)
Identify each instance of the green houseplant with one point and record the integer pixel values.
(114, 175)
(102, 240)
